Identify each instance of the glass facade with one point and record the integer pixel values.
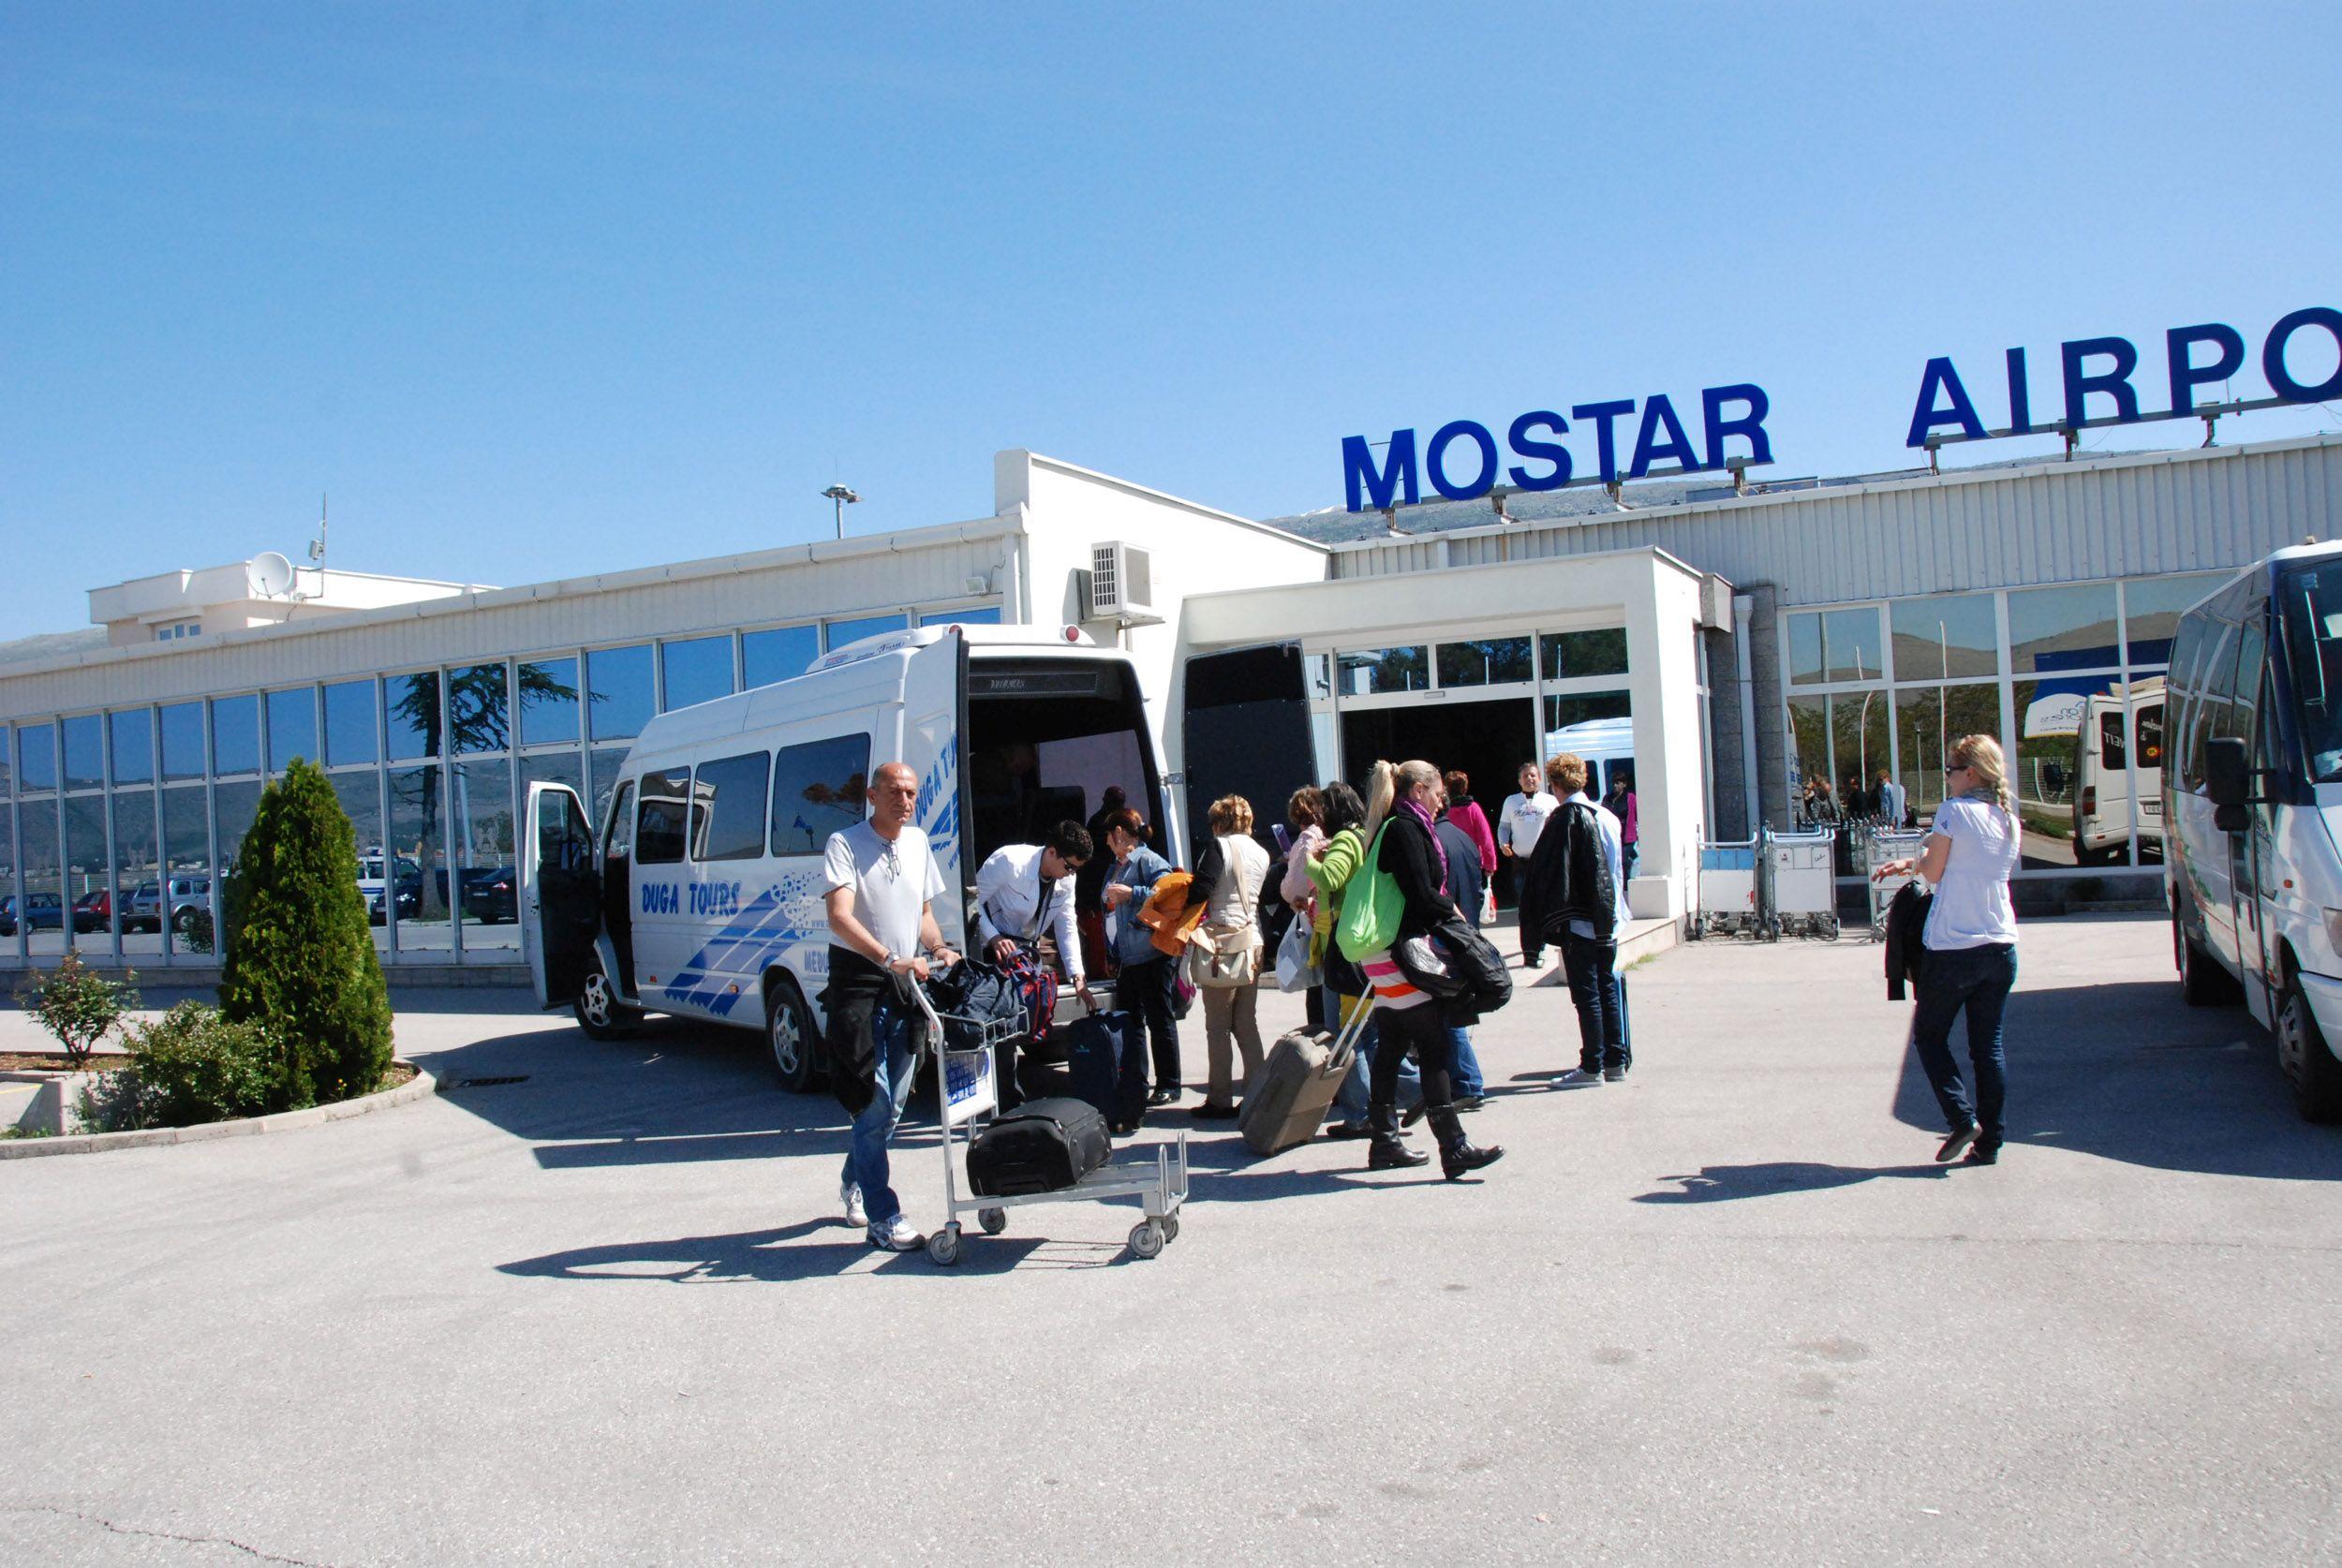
(119, 830)
(2068, 678)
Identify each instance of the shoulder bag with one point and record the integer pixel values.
(1224, 958)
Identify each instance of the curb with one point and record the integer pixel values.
(417, 1087)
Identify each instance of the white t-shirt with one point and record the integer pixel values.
(1614, 856)
(1523, 820)
(1971, 904)
(892, 882)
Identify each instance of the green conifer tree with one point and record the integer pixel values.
(298, 958)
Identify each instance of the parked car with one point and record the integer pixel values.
(94, 912)
(43, 911)
(371, 885)
(190, 900)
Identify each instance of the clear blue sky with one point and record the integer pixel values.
(535, 291)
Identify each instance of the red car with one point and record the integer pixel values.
(94, 912)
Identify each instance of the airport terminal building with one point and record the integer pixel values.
(1728, 647)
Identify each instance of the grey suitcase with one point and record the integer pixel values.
(1287, 1104)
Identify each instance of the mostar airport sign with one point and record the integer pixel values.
(1462, 462)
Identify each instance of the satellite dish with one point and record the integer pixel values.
(270, 574)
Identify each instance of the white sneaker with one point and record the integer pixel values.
(895, 1236)
(850, 1198)
(1577, 1077)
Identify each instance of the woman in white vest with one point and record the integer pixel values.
(1224, 957)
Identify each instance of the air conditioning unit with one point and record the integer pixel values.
(1121, 585)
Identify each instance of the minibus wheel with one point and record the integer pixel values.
(2302, 1048)
(2202, 982)
(599, 1012)
(789, 1030)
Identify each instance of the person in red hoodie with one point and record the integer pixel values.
(1466, 813)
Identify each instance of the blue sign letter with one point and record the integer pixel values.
(1529, 447)
(1750, 425)
(1396, 477)
(1939, 380)
(1657, 410)
(1436, 459)
(2273, 355)
(2186, 376)
(1605, 439)
(2020, 394)
(2116, 382)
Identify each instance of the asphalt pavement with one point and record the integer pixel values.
(1726, 1312)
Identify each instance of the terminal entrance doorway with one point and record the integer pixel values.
(1488, 740)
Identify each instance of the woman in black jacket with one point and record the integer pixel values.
(1404, 798)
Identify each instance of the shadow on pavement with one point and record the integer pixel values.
(2125, 1072)
(809, 1250)
(1716, 1184)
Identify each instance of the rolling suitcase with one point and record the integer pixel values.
(1045, 1146)
(1093, 1057)
(1287, 1105)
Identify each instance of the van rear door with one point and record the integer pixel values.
(560, 894)
(933, 715)
(1245, 731)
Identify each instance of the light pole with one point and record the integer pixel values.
(838, 497)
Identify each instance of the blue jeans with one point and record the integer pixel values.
(1463, 1065)
(866, 1151)
(1592, 968)
(1358, 1089)
(1977, 978)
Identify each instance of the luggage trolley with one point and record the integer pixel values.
(968, 1091)
(1885, 845)
(1803, 882)
(1730, 897)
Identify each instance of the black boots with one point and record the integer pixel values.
(1457, 1154)
(1389, 1152)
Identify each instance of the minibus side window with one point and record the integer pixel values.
(659, 832)
(2111, 750)
(818, 788)
(728, 808)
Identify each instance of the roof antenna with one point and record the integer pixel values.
(316, 550)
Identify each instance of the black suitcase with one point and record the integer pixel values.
(1044, 1145)
(1093, 1057)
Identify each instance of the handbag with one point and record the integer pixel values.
(1475, 964)
(1224, 958)
(1418, 958)
(1295, 972)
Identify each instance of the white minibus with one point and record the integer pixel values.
(2252, 809)
(701, 895)
(1606, 746)
(2104, 760)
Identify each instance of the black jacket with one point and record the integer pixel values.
(856, 986)
(1906, 934)
(1409, 860)
(1570, 879)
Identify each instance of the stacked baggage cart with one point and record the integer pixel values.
(1764, 888)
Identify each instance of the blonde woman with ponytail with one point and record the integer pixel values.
(1409, 867)
(1970, 962)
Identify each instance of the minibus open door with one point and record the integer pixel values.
(934, 728)
(560, 894)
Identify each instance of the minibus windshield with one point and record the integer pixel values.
(2311, 606)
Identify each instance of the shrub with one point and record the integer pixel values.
(300, 960)
(194, 1066)
(77, 1004)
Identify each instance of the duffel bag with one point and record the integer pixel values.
(1044, 1145)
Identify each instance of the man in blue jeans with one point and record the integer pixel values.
(881, 881)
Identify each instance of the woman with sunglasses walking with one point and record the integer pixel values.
(1970, 941)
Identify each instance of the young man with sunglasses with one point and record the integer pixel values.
(1025, 903)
